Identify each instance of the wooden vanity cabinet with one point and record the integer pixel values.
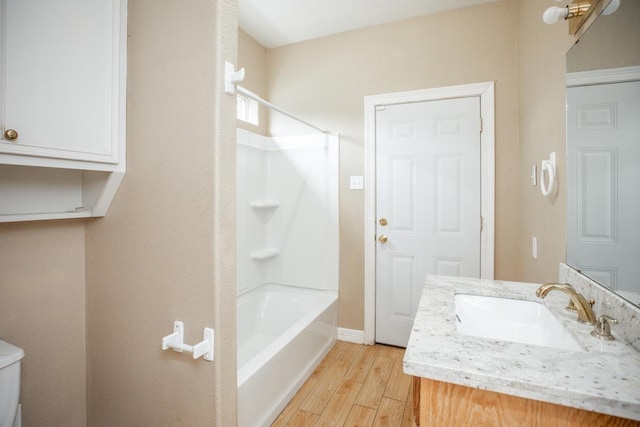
(439, 403)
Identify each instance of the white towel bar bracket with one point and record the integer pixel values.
(231, 77)
(175, 341)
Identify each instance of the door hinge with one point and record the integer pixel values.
(481, 223)
(481, 125)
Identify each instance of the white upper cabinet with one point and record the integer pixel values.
(63, 109)
(62, 79)
(61, 69)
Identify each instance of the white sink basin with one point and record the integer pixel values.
(505, 319)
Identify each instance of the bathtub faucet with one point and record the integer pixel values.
(585, 312)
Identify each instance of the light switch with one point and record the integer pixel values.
(357, 183)
(534, 248)
(534, 175)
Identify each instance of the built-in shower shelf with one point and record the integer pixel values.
(264, 204)
(264, 254)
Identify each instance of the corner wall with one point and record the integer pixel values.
(542, 115)
(165, 250)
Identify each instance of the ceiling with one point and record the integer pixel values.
(276, 23)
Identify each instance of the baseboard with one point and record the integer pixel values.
(351, 335)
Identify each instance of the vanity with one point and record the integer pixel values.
(471, 380)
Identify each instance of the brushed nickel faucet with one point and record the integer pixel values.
(585, 312)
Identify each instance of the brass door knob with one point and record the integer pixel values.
(383, 221)
(10, 134)
(382, 238)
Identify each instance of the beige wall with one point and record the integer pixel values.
(165, 250)
(325, 81)
(541, 103)
(42, 310)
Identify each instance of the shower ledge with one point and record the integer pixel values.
(264, 254)
(264, 204)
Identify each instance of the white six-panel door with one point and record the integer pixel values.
(603, 130)
(427, 203)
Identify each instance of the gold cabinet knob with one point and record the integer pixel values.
(383, 221)
(382, 238)
(10, 134)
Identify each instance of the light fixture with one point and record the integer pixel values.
(611, 7)
(554, 13)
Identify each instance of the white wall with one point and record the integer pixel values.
(301, 174)
(253, 226)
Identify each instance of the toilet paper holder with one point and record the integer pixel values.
(202, 349)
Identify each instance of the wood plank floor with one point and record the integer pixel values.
(355, 385)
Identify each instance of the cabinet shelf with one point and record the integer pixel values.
(264, 254)
(37, 193)
(264, 204)
(44, 216)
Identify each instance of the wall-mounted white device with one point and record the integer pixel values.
(548, 166)
(534, 175)
(356, 182)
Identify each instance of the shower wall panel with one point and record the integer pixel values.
(287, 211)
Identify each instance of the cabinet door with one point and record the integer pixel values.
(63, 83)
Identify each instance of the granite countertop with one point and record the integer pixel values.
(604, 378)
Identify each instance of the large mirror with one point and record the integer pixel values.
(603, 150)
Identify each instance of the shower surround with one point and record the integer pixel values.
(287, 266)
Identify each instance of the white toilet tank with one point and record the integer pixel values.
(10, 357)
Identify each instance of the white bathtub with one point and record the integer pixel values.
(283, 334)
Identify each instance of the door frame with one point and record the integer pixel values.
(485, 91)
(610, 75)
